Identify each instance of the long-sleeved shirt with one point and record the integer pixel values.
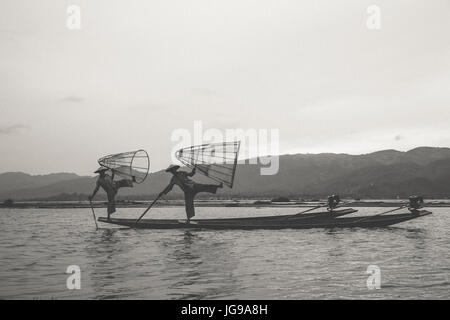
(107, 183)
(181, 179)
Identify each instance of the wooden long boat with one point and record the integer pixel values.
(298, 216)
(272, 222)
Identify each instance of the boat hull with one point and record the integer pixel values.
(290, 217)
(271, 222)
(172, 223)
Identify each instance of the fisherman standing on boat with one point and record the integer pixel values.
(415, 203)
(189, 187)
(333, 202)
(110, 186)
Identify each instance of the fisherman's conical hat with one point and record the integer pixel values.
(100, 169)
(172, 167)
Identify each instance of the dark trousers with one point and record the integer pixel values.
(112, 194)
(190, 194)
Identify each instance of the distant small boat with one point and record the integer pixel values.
(318, 220)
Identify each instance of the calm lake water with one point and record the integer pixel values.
(37, 246)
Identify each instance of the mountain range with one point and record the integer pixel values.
(382, 174)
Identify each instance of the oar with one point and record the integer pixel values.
(93, 213)
(310, 209)
(323, 205)
(149, 207)
(344, 204)
(379, 214)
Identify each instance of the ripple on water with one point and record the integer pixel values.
(37, 246)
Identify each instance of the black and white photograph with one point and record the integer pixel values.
(238, 152)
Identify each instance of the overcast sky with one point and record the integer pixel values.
(137, 70)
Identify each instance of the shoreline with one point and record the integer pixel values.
(214, 203)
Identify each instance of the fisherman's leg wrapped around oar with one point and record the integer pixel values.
(210, 188)
(124, 183)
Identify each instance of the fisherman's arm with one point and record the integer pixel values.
(192, 173)
(94, 192)
(167, 189)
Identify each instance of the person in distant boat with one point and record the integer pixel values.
(189, 187)
(110, 186)
(333, 202)
(415, 203)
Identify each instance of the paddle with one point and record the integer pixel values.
(149, 207)
(322, 205)
(310, 209)
(344, 204)
(93, 213)
(379, 214)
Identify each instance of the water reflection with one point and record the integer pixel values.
(161, 264)
(105, 252)
(200, 265)
(415, 237)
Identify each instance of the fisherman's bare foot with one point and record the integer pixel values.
(133, 178)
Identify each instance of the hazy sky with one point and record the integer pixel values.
(137, 70)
